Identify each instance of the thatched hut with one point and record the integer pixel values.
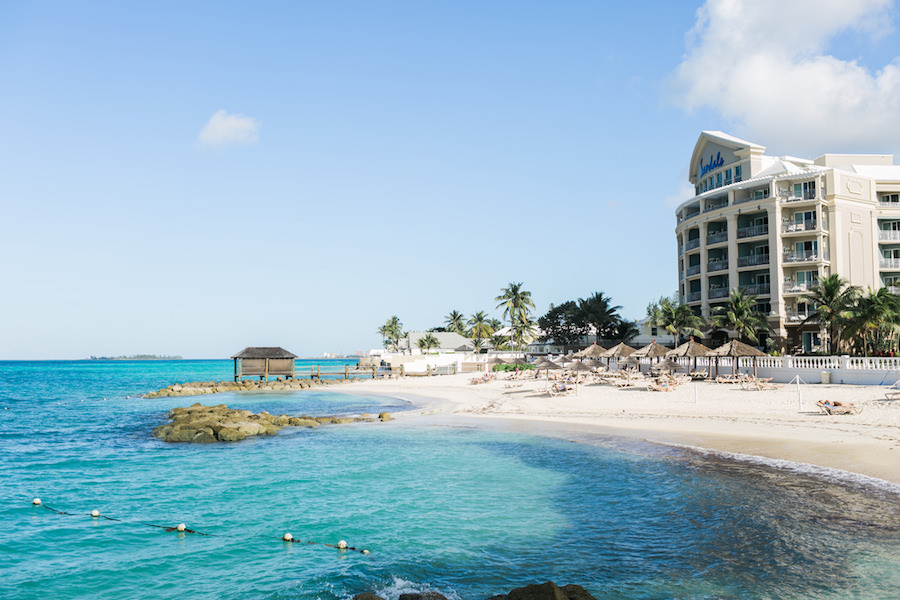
(262, 362)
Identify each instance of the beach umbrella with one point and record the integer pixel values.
(651, 351)
(689, 349)
(618, 351)
(593, 363)
(630, 360)
(592, 351)
(736, 349)
(577, 366)
(669, 365)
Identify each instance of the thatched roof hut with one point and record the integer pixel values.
(263, 361)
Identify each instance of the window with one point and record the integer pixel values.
(808, 278)
(760, 221)
(718, 179)
(810, 247)
(890, 198)
(891, 226)
(891, 253)
(760, 194)
(811, 341)
(763, 307)
(737, 173)
(727, 176)
(704, 185)
(761, 279)
(804, 216)
(654, 332)
(805, 190)
(712, 182)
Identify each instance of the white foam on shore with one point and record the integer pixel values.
(830, 474)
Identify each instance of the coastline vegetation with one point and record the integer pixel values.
(138, 357)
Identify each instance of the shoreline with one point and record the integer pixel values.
(774, 425)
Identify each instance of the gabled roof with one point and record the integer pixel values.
(722, 139)
(264, 352)
(449, 340)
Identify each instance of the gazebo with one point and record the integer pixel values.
(262, 362)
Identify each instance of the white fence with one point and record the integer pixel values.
(811, 369)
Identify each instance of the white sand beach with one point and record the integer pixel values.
(777, 424)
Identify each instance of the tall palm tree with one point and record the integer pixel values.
(833, 299)
(392, 332)
(456, 322)
(479, 329)
(876, 319)
(598, 312)
(738, 315)
(516, 303)
(677, 319)
(427, 342)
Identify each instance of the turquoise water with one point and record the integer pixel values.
(440, 505)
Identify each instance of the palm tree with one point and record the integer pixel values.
(738, 315)
(599, 313)
(677, 319)
(479, 329)
(456, 322)
(427, 342)
(391, 333)
(876, 319)
(833, 299)
(516, 304)
(522, 331)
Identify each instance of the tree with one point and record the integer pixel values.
(738, 315)
(517, 306)
(427, 342)
(562, 324)
(598, 313)
(624, 331)
(479, 329)
(391, 333)
(456, 322)
(833, 299)
(677, 319)
(522, 331)
(876, 320)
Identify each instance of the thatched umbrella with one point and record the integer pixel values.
(690, 349)
(492, 361)
(651, 351)
(736, 349)
(620, 350)
(593, 363)
(630, 360)
(592, 351)
(669, 365)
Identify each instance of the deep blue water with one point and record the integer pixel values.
(442, 506)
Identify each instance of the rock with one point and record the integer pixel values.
(230, 435)
(367, 596)
(303, 422)
(175, 388)
(422, 596)
(384, 416)
(550, 591)
(204, 435)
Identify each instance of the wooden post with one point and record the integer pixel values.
(374, 370)
(292, 368)
(346, 371)
(267, 369)
(319, 372)
(402, 371)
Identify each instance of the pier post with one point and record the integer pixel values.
(346, 371)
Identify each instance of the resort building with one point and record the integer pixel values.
(774, 226)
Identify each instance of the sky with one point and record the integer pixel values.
(190, 178)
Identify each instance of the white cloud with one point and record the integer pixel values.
(764, 65)
(225, 129)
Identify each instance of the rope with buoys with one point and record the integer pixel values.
(182, 528)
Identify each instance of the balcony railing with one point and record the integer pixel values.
(882, 204)
(691, 244)
(692, 270)
(750, 261)
(805, 256)
(715, 206)
(887, 236)
(689, 215)
(894, 289)
(889, 263)
(694, 296)
(795, 287)
(721, 292)
(792, 317)
(716, 238)
(809, 225)
(756, 289)
(752, 231)
(717, 265)
(801, 198)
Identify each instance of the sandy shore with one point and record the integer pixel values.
(777, 424)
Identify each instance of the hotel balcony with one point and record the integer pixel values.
(718, 237)
(717, 265)
(691, 244)
(891, 264)
(792, 317)
(887, 236)
(756, 289)
(793, 287)
(894, 289)
(792, 256)
(752, 261)
(694, 297)
(693, 270)
(715, 205)
(888, 204)
(809, 225)
(804, 197)
(753, 231)
(721, 292)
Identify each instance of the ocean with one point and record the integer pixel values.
(441, 504)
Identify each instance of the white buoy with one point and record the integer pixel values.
(365, 551)
(36, 501)
(181, 527)
(287, 537)
(342, 545)
(95, 513)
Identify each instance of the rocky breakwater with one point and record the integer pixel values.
(201, 388)
(207, 424)
(542, 591)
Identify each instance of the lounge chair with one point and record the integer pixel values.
(838, 408)
(662, 384)
(699, 375)
(560, 389)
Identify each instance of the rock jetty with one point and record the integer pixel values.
(201, 388)
(208, 424)
(542, 591)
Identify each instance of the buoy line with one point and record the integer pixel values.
(182, 528)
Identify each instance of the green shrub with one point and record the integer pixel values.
(505, 368)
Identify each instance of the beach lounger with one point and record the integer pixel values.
(838, 408)
(663, 385)
(892, 395)
(560, 390)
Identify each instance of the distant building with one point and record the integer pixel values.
(263, 362)
(449, 342)
(774, 226)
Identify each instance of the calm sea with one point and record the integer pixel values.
(440, 505)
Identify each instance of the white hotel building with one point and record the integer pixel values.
(773, 226)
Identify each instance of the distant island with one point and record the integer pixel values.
(137, 357)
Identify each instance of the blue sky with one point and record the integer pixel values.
(193, 178)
